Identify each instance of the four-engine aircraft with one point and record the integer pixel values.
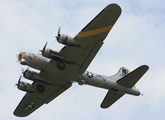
(58, 70)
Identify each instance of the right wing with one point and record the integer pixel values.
(110, 98)
(32, 101)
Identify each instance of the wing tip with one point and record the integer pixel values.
(103, 106)
(114, 6)
(19, 114)
(146, 67)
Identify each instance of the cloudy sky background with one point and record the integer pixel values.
(136, 39)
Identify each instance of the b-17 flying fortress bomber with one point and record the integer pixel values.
(58, 70)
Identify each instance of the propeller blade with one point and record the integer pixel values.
(24, 72)
(59, 29)
(58, 34)
(43, 50)
(45, 46)
(19, 80)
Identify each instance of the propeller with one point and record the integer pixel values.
(58, 34)
(24, 72)
(43, 50)
(19, 80)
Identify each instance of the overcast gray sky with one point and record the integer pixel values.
(136, 39)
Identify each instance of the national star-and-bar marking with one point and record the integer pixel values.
(29, 106)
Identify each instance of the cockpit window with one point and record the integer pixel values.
(30, 57)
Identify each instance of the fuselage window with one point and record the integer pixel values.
(104, 79)
(124, 71)
(30, 57)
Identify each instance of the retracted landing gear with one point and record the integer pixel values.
(81, 82)
(40, 88)
(60, 65)
(115, 92)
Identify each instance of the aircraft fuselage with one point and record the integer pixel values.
(42, 63)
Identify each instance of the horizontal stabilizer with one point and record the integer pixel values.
(110, 98)
(129, 81)
(132, 78)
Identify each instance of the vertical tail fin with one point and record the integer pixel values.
(123, 71)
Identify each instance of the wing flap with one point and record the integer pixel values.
(57, 92)
(110, 98)
(90, 56)
(32, 101)
(132, 78)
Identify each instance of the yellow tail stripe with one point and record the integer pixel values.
(94, 32)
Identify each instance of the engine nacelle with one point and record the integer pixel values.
(67, 40)
(49, 53)
(54, 55)
(31, 75)
(26, 87)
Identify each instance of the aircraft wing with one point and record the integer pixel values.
(91, 38)
(32, 101)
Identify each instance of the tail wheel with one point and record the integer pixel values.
(114, 91)
(40, 88)
(60, 65)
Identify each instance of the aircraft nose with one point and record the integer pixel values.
(20, 55)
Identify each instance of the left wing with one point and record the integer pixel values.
(32, 101)
(91, 39)
(110, 98)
